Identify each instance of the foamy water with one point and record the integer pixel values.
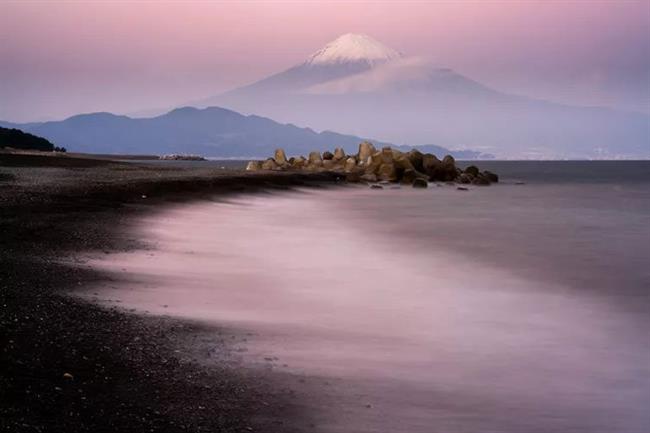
(484, 311)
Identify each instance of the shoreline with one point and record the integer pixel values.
(69, 365)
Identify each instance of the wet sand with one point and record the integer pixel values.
(402, 317)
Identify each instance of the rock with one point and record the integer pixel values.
(397, 154)
(449, 160)
(298, 163)
(431, 166)
(328, 163)
(350, 165)
(315, 158)
(353, 177)
(315, 161)
(415, 158)
(491, 176)
(420, 183)
(480, 180)
(372, 163)
(402, 164)
(401, 161)
(386, 155)
(366, 149)
(472, 170)
(280, 157)
(448, 168)
(253, 166)
(386, 171)
(437, 170)
(462, 188)
(269, 164)
(408, 177)
(386, 165)
(376, 186)
(68, 376)
(368, 177)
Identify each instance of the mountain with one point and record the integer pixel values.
(212, 131)
(348, 55)
(358, 86)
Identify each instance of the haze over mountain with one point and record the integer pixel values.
(213, 131)
(359, 86)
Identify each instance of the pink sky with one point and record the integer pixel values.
(62, 58)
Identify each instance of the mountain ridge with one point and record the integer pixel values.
(211, 132)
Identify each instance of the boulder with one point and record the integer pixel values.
(386, 171)
(402, 164)
(449, 160)
(415, 158)
(420, 183)
(431, 166)
(465, 178)
(449, 171)
(280, 157)
(350, 165)
(339, 154)
(444, 170)
(314, 157)
(480, 180)
(386, 155)
(491, 176)
(376, 186)
(253, 166)
(270, 164)
(366, 149)
(409, 176)
(298, 163)
(372, 163)
(353, 177)
(328, 163)
(402, 161)
(327, 155)
(397, 154)
(472, 170)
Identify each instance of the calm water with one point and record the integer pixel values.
(511, 308)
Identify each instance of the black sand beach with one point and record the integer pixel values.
(67, 365)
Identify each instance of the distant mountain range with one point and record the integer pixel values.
(212, 132)
(358, 86)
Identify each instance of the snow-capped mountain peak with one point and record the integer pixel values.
(353, 48)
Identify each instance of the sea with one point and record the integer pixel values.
(519, 307)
